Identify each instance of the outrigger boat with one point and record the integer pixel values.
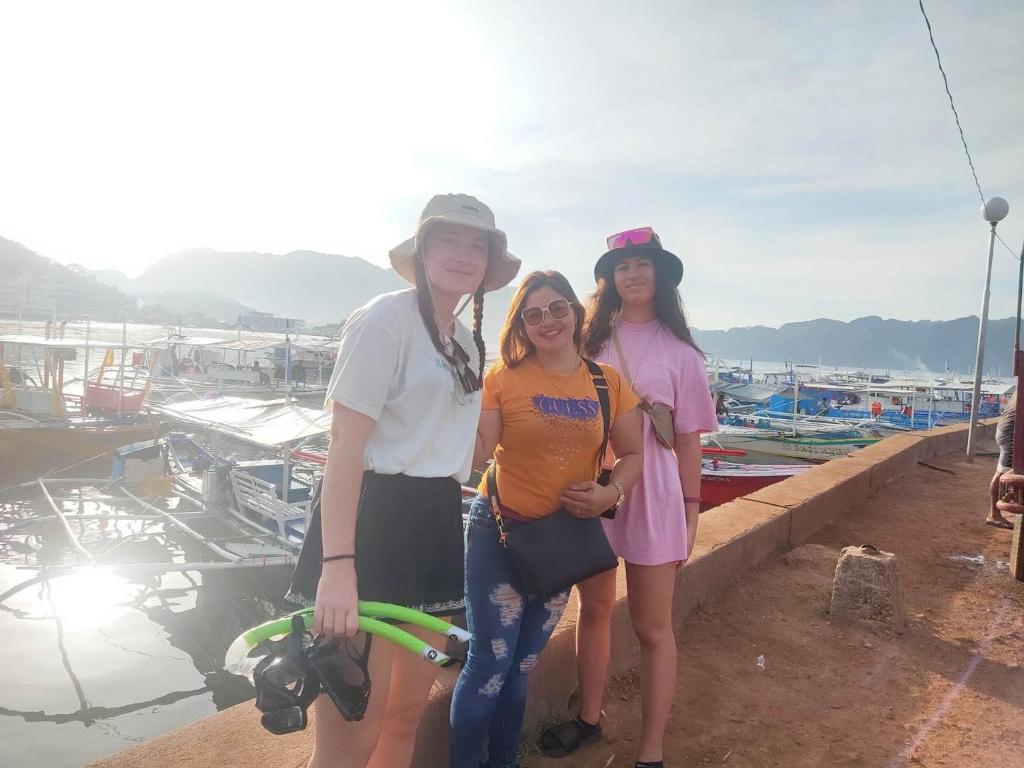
(44, 428)
(910, 404)
(196, 366)
(723, 481)
(818, 444)
(272, 493)
(172, 486)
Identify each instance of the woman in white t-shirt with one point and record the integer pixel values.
(405, 395)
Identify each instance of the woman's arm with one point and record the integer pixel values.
(336, 610)
(687, 446)
(488, 433)
(591, 499)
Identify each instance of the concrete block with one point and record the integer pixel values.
(867, 591)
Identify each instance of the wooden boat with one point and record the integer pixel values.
(723, 481)
(43, 429)
(817, 444)
(31, 447)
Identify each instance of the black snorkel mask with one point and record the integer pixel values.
(290, 668)
(298, 668)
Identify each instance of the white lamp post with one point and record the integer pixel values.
(993, 211)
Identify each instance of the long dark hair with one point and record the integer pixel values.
(606, 302)
(515, 344)
(426, 306)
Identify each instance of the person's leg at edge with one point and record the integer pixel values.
(593, 642)
(411, 681)
(650, 608)
(338, 743)
(994, 515)
(540, 618)
(494, 614)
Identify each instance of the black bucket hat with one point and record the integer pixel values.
(639, 242)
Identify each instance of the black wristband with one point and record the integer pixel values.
(336, 557)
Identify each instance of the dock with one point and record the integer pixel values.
(950, 688)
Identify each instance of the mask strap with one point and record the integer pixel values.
(464, 305)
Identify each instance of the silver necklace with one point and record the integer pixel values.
(636, 369)
(554, 383)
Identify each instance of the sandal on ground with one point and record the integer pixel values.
(565, 738)
(1005, 524)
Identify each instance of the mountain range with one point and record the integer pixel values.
(323, 289)
(872, 342)
(316, 287)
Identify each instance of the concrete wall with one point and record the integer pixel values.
(730, 539)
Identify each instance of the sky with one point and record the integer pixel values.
(801, 158)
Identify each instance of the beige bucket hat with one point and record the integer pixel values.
(502, 266)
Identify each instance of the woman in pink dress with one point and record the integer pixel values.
(635, 322)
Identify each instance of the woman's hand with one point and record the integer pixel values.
(589, 499)
(337, 600)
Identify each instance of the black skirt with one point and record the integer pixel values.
(409, 545)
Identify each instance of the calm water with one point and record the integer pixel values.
(102, 660)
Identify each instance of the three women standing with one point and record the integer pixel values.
(636, 323)
(406, 394)
(406, 402)
(542, 421)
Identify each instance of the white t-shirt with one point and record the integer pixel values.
(389, 370)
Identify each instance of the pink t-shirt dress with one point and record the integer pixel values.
(650, 527)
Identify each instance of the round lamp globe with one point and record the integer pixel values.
(995, 209)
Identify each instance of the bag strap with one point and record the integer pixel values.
(622, 358)
(601, 385)
(492, 495)
(644, 405)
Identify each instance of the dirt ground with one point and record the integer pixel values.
(947, 692)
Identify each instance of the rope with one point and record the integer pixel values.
(1008, 249)
(956, 117)
(952, 106)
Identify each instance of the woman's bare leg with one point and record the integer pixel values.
(338, 743)
(593, 642)
(650, 607)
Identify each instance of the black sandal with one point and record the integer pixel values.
(565, 738)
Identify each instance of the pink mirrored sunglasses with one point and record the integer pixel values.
(639, 236)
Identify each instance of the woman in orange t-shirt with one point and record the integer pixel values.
(541, 420)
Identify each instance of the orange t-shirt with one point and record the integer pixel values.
(551, 430)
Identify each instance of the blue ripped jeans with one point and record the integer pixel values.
(510, 629)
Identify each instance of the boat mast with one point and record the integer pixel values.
(796, 397)
(120, 370)
(59, 374)
(85, 363)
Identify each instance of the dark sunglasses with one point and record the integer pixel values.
(468, 379)
(558, 309)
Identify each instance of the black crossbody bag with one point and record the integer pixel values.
(555, 552)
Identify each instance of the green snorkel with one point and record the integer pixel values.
(237, 660)
(290, 668)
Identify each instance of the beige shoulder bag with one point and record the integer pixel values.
(661, 414)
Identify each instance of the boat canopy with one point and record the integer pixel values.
(77, 343)
(244, 345)
(268, 423)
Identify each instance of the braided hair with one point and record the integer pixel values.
(425, 302)
(478, 320)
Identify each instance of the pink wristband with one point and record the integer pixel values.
(691, 499)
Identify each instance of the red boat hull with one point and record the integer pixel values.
(716, 489)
